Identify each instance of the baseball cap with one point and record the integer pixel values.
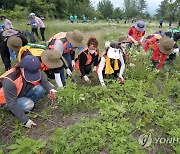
(31, 65)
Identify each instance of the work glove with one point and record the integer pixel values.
(132, 65)
(107, 44)
(87, 79)
(136, 43)
(73, 63)
(52, 94)
(139, 43)
(121, 79)
(30, 124)
(69, 72)
(94, 69)
(103, 84)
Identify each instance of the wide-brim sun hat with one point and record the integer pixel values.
(75, 38)
(140, 26)
(123, 39)
(31, 65)
(14, 43)
(51, 58)
(166, 45)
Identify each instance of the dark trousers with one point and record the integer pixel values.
(160, 25)
(87, 69)
(130, 45)
(42, 30)
(5, 55)
(34, 31)
(155, 63)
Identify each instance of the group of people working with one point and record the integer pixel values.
(24, 84)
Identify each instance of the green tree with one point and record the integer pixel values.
(130, 8)
(169, 9)
(106, 8)
(141, 6)
(117, 13)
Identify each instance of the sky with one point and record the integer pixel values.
(152, 4)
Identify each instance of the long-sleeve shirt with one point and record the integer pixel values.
(83, 59)
(158, 55)
(102, 65)
(58, 45)
(10, 92)
(39, 22)
(8, 24)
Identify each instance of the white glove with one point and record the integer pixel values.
(94, 69)
(107, 44)
(176, 51)
(157, 71)
(121, 79)
(103, 84)
(69, 72)
(30, 123)
(53, 91)
(132, 65)
(87, 79)
(73, 63)
(136, 42)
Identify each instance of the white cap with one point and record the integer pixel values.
(32, 14)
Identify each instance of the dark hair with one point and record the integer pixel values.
(3, 17)
(92, 41)
(168, 34)
(17, 71)
(114, 45)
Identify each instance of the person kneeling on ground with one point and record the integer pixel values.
(112, 62)
(53, 60)
(22, 86)
(86, 58)
(160, 53)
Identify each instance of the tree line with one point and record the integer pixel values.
(61, 9)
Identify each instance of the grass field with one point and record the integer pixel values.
(87, 118)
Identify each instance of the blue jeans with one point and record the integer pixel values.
(33, 95)
(68, 58)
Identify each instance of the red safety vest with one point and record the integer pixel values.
(136, 35)
(154, 41)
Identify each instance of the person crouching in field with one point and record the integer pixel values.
(87, 57)
(51, 61)
(161, 51)
(10, 39)
(22, 86)
(112, 61)
(66, 43)
(136, 34)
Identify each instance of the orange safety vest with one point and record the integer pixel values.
(18, 83)
(154, 41)
(89, 58)
(61, 36)
(136, 35)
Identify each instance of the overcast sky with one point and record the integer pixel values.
(152, 4)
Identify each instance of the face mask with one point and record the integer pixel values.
(92, 51)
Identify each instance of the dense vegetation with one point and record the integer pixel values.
(88, 118)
